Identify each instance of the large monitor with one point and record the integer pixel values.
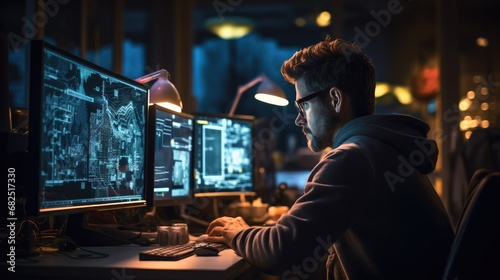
(87, 138)
(223, 155)
(171, 166)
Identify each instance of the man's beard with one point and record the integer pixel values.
(322, 138)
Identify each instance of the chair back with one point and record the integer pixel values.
(475, 252)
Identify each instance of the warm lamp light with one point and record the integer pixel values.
(230, 27)
(162, 92)
(381, 89)
(268, 92)
(403, 94)
(323, 19)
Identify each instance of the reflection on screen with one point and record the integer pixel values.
(172, 163)
(223, 154)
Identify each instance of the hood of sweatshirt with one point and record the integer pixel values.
(406, 134)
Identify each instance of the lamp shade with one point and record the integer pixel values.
(163, 92)
(268, 92)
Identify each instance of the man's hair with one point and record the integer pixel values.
(335, 63)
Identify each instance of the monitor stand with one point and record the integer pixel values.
(85, 231)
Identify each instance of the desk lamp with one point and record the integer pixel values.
(163, 92)
(268, 92)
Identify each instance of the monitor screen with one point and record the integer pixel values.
(171, 161)
(223, 155)
(87, 138)
(295, 179)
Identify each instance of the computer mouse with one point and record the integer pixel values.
(206, 251)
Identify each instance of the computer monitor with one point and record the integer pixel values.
(171, 163)
(87, 135)
(294, 179)
(223, 155)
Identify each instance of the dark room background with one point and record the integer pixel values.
(437, 60)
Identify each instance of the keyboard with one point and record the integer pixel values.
(167, 253)
(176, 252)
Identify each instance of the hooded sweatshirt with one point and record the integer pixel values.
(368, 206)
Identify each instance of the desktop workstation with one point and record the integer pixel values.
(123, 261)
(97, 146)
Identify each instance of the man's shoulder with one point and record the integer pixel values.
(348, 157)
(353, 146)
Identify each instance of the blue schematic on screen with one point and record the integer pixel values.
(172, 155)
(223, 154)
(92, 135)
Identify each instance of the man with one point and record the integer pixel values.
(368, 202)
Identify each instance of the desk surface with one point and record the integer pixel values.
(123, 263)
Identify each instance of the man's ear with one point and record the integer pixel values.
(337, 98)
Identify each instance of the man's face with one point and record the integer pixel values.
(318, 121)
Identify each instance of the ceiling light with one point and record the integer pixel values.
(230, 27)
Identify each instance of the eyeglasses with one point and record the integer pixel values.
(298, 102)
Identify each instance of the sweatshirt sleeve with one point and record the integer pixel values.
(332, 199)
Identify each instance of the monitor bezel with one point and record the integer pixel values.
(153, 108)
(36, 58)
(226, 192)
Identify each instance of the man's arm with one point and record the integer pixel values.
(332, 201)
(224, 229)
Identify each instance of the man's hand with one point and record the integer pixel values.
(224, 229)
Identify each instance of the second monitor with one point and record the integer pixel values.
(172, 149)
(223, 155)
